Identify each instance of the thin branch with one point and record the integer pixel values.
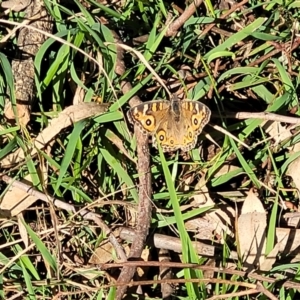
(224, 131)
(179, 22)
(145, 188)
(264, 116)
(178, 265)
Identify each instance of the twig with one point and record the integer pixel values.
(155, 282)
(264, 116)
(161, 241)
(224, 131)
(145, 189)
(263, 290)
(173, 28)
(235, 294)
(252, 276)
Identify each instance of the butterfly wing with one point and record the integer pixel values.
(185, 122)
(198, 113)
(149, 115)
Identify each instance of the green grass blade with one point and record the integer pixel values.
(237, 37)
(73, 140)
(188, 251)
(42, 248)
(245, 165)
(29, 286)
(120, 171)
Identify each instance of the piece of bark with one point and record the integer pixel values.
(29, 42)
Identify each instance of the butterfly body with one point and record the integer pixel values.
(173, 124)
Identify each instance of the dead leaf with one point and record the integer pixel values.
(251, 231)
(165, 273)
(119, 143)
(293, 171)
(22, 230)
(217, 221)
(211, 262)
(293, 221)
(269, 261)
(105, 253)
(65, 118)
(15, 5)
(90, 274)
(225, 169)
(202, 198)
(143, 271)
(289, 240)
(16, 200)
(277, 131)
(294, 148)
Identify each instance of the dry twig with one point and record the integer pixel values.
(145, 189)
(173, 28)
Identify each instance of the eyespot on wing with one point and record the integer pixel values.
(201, 118)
